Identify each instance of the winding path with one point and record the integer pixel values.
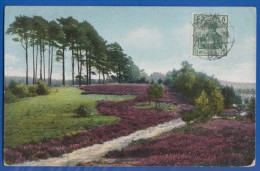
(97, 151)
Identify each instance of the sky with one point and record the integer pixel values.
(157, 38)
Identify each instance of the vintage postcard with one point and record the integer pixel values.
(129, 86)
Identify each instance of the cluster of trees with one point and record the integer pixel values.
(208, 95)
(50, 41)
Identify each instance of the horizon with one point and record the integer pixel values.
(157, 38)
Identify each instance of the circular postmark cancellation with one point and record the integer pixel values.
(211, 37)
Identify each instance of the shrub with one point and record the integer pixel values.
(83, 110)
(155, 92)
(188, 116)
(12, 84)
(9, 97)
(21, 91)
(33, 89)
(42, 89)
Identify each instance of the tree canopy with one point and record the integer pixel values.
(52, 40)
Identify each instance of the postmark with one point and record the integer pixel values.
(210, 36)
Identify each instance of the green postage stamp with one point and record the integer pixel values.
(210, 35)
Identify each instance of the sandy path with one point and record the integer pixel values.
(97, 151)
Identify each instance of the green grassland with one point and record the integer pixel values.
(33, 119)
(161, 106)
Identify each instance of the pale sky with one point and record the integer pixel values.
(157, 38)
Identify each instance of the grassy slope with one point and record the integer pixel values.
(37, 118)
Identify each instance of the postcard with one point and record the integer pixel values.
(129, 86)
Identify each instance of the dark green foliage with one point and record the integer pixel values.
(230, 97)
(9, 97)
(42, 89)
(83, 111)
(199, 89)
(190, 83)
(32, 89)
(155, 92)
(188, 116)
(20, 91)
(12, 85)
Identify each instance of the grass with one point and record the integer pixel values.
(34, 119)
(161, 106)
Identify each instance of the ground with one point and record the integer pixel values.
(56, 131)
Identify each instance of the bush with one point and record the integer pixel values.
(12, 84)
(83, 110)
(9, 97)
(42, 89)
(21, 91)
(155, 92)
(188, 116)
(32, 89)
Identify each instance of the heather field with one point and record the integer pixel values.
(130, 119)
(218, 142)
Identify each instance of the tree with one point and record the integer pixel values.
(118, 60)
(202, 107)
(54, 31)
(155, 92)
(61, 45)
(42, 32)
(21, 27)
(69, 26)
(216, 101)
(230, 97)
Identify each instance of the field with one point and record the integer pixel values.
(47, 127)
(37, 118)
(67, 133)
(218, 142)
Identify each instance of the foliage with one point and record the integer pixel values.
(87, 48)
(21, 91)
(42, 88)
(190, 83)
(216, 101)
(188, 116)
(9, 97)
(12, 85)
(83, 110)
(250, 104)
(230, 97)
(202, 107)
(155, 92)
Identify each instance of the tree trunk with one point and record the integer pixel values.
(103, 74)
(119, 75)
(72, 65)
(36, 65)
(40, 61)
(33, 63)
(43, 62)
(51, 63)
(80, 69)
(26, 56)
(87, 65)
(99, 75)
(89, 69)
(63, 66)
